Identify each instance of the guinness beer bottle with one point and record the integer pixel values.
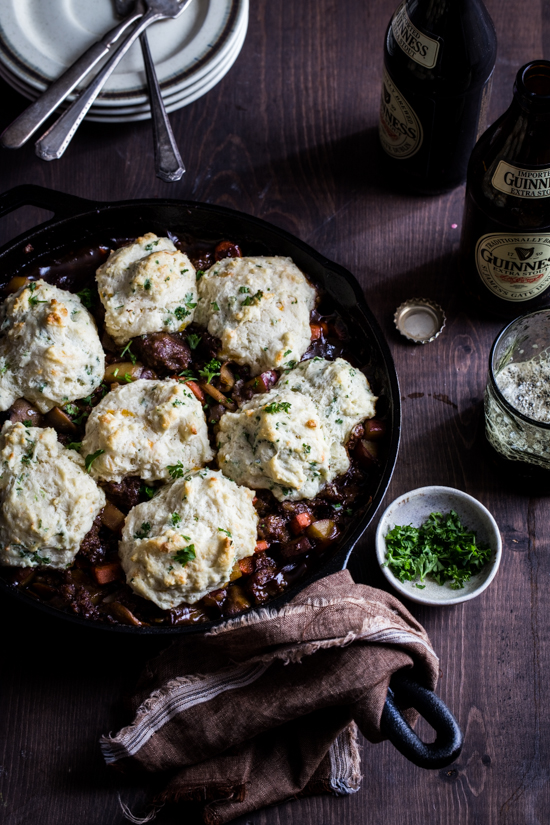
(439, 57)
(505, 246)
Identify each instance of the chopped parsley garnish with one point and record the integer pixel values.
(175, 518)
(128, 378)
(143, 531)
(287, 353)
(27, 458)
(252, 299)
(189, 300)
(199, 274)
(185, 554)
(149, 246)
(74, 445)
(181, 313)
(441, 548)
(277, 407)
(71, 409)
(306, 448)
(214, 305)
(189, 375)
(87, 296)
(131, 355)
(147, 283)
(194, 340)
(339, 421)
(210, 370)
(222, 530)
(176, 470)
(33, 301)
(147, 491)
(244, 289)
(91, 457)
(289, 365)
(4, 369)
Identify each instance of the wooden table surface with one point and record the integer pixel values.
(289, 135)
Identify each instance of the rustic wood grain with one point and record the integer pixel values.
(289, 135)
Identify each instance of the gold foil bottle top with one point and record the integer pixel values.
(419, 320)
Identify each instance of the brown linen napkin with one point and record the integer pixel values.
(265, 706)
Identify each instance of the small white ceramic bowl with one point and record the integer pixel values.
(414, 508)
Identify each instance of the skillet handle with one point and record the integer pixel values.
(60, 203)
(405, 692)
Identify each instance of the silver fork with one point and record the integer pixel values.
(54, 142)
(24, 126)
(168, 163)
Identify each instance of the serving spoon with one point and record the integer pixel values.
(168, 163)
(54, 142)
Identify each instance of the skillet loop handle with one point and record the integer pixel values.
(60, 203)
(405, 693)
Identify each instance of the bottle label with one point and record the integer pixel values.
(522, 182)
(420, 48)
(514, 267)
(399, 128)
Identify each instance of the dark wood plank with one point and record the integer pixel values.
(290, 135)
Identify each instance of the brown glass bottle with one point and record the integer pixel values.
(505, 246)
(439, 57)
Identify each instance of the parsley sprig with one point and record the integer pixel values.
(278, 406)
(441, 548)
(210, 370)
(185, 554)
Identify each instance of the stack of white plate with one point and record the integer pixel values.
(40, 39)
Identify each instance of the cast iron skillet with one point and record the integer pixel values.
(78, 222)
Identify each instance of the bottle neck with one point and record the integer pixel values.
(532, 91)
(435, 14)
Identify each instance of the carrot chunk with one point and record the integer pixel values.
(105, 573)
(300, 522)
(261, 546)
(196, 390)
(247, 565)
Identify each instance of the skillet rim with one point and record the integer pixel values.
(68, 210)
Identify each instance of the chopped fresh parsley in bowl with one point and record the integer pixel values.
(438, 546)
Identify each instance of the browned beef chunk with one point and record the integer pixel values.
(273, 528)
(163, 351)
(92, 547)
(78, 599)
(123, 494)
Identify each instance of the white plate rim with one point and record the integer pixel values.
(237, 16)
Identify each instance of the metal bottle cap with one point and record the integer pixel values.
(419, 320)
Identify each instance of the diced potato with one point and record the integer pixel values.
(236, 572)
(122, 372)
(112, 517)
(323, 530)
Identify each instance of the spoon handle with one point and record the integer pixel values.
(168, 163)
(53, 143)
(23, 127)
